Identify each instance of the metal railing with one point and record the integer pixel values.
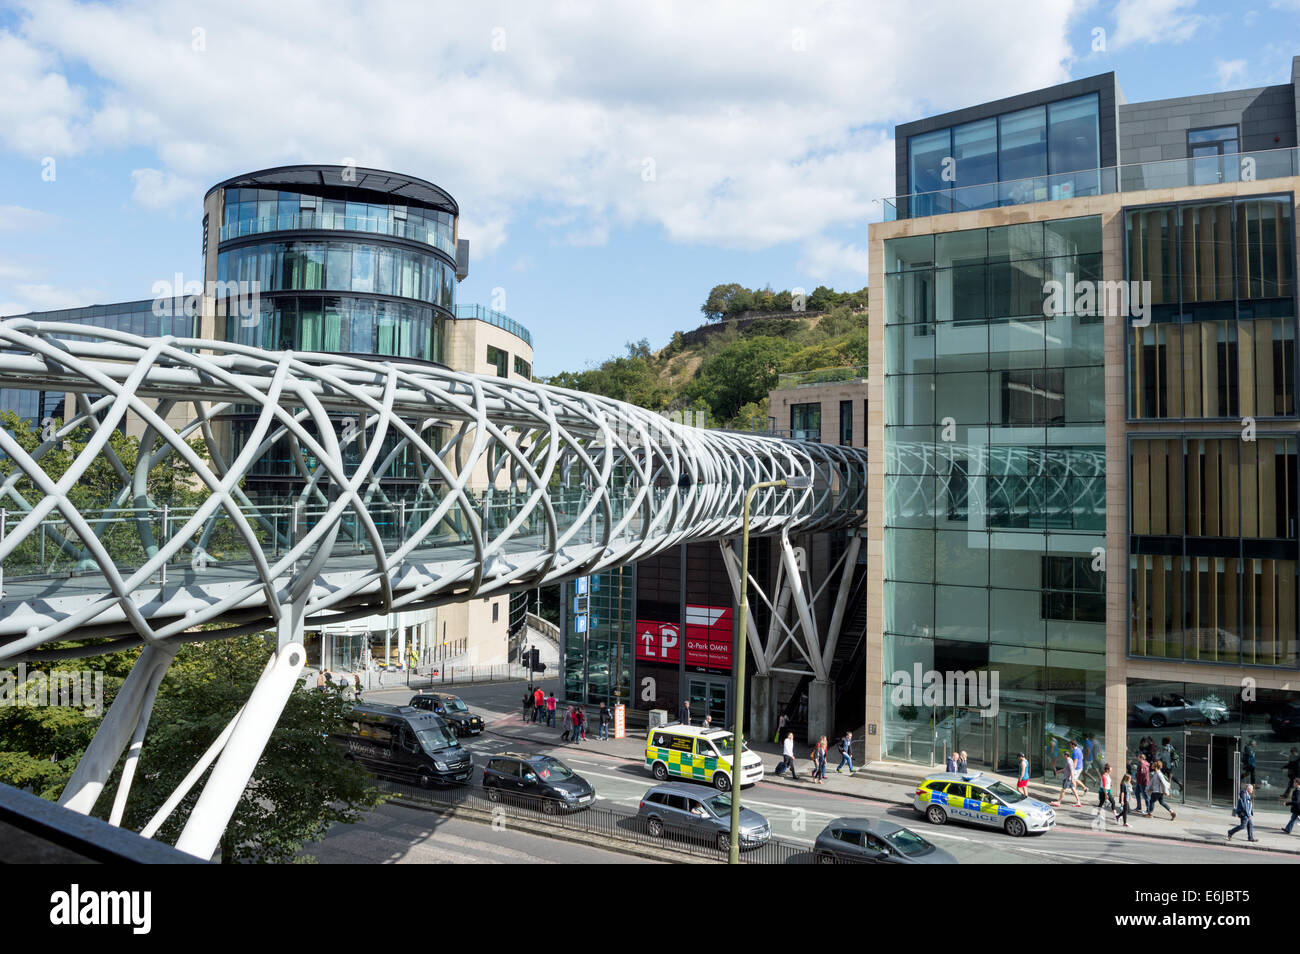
(1132, 177)
(610, 825)
(496, 319)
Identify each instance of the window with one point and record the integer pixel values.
(846, 423)
(806, 422)
(1206, 148)
(523, 368)
(956, 788)
(496, 612)
(1072, 590)
(499, 360)
(848, 836)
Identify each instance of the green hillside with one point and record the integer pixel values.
(727, 367)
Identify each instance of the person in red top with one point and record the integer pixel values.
(539, 699)
(1140, 782)
(550, 710)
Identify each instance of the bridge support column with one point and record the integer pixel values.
(761, 724)
(821, 711)
(127, 718)
(252, 729)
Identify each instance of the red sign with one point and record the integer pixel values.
(620, 721)
(657, 642)
(708, 636)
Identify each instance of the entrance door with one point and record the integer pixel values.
(1016, 733)
(976, 736)
(1208, 768)
(711, 696)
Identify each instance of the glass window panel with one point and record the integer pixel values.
(909, 349)
(969, 247)
(1013, 243)
(363, 268)
(961, 396)
(910, 398)
(928, 156)
(961, 613)
(338, 268)
(961, 557)
(909, 608)
(975, 149)
(1023, 144)
(909, 555)
(910, 500)
(1073, 134)
(1015, 618)
(1081, 236)
(913, 251)
(961, 347)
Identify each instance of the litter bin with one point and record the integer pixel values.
(658, 717)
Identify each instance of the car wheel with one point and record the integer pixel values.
(723, 841)
(655, 827)
(722, 781)
(935, 815)
(549, 806)
(660, 771)
(494, 795)
(1016, 827)
(426, 780)
(1157, 720)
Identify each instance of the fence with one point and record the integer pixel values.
(611, 825)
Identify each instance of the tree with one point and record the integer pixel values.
(741, 373)
(721, 299)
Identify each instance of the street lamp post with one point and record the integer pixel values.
(738, 737)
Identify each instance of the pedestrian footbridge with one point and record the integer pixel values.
(412, 486)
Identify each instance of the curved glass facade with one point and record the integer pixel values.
(341, 266)
(344, 324)
(254, 211)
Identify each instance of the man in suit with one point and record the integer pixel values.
(1245, 811)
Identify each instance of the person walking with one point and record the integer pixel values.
(606, 717)
(551, 703)
(527, 704)
(781, 724)
(1295, 808)
(1054, 756)
(950, 766)
(1292, 771)
(685, 715)
(818, 756)
(539, 702)
(1022, 778)
(1069, 783)
(846, 753)
(1169, 755)
(1245, 811)
(961, 763)
(1141, 782)
(1159, 788)
(580, 720)
(1121, 813)
(568, 724)
(1104, 794)
(787, 756)
(1077, 756)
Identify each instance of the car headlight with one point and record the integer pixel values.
(440, 766)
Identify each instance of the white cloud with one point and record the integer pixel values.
(156, 189)
(759, 135)
(824, 259)
(15, 218)
(42, 297)
(1155, 21)
(1229, 72)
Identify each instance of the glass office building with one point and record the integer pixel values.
(995, 487)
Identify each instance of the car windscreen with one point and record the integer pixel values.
(552, 770)
(434, 737)
(455, 705)
(908, 843)
(1005, 792)
(723, 743)
(719, 804)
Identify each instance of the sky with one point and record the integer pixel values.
(612, 160)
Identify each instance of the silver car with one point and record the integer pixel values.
(981, 800)
(700, 815)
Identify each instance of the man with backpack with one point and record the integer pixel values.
(1245, 811)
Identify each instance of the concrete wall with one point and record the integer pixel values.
(1265, 118)
(829, 396)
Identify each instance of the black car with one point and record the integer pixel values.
(876, 841)
(451, 708)
(1285, 722)
(537, 779)
(404, 743)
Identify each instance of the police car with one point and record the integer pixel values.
(982, 800)
(703, 755)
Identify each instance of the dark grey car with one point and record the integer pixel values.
(700, 815)
(875, 841)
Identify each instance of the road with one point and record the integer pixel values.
(799, 814)
(395, 834)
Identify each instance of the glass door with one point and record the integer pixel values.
(711, 697)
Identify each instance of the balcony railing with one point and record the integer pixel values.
(1134, 177)
(399, 228)
(495, 318)
(804, 379)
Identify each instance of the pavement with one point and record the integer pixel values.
(896, 782)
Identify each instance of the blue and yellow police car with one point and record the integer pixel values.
(982, 800)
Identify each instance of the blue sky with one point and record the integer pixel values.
(767, 127)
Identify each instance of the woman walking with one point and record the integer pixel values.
(1159, 788)
(1068, 784)
(1103, 790)
(1022, 781)
(1121, 814)
(819, 761)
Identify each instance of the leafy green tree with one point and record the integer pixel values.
(742, 373)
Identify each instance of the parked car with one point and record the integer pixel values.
(981, 800)
(876, 841)
(451, 708)
(699, 815)
(403, 743)
(1174, 709)
(540, 779)
(1285, 721)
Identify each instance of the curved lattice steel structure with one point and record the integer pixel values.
(418, 486)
